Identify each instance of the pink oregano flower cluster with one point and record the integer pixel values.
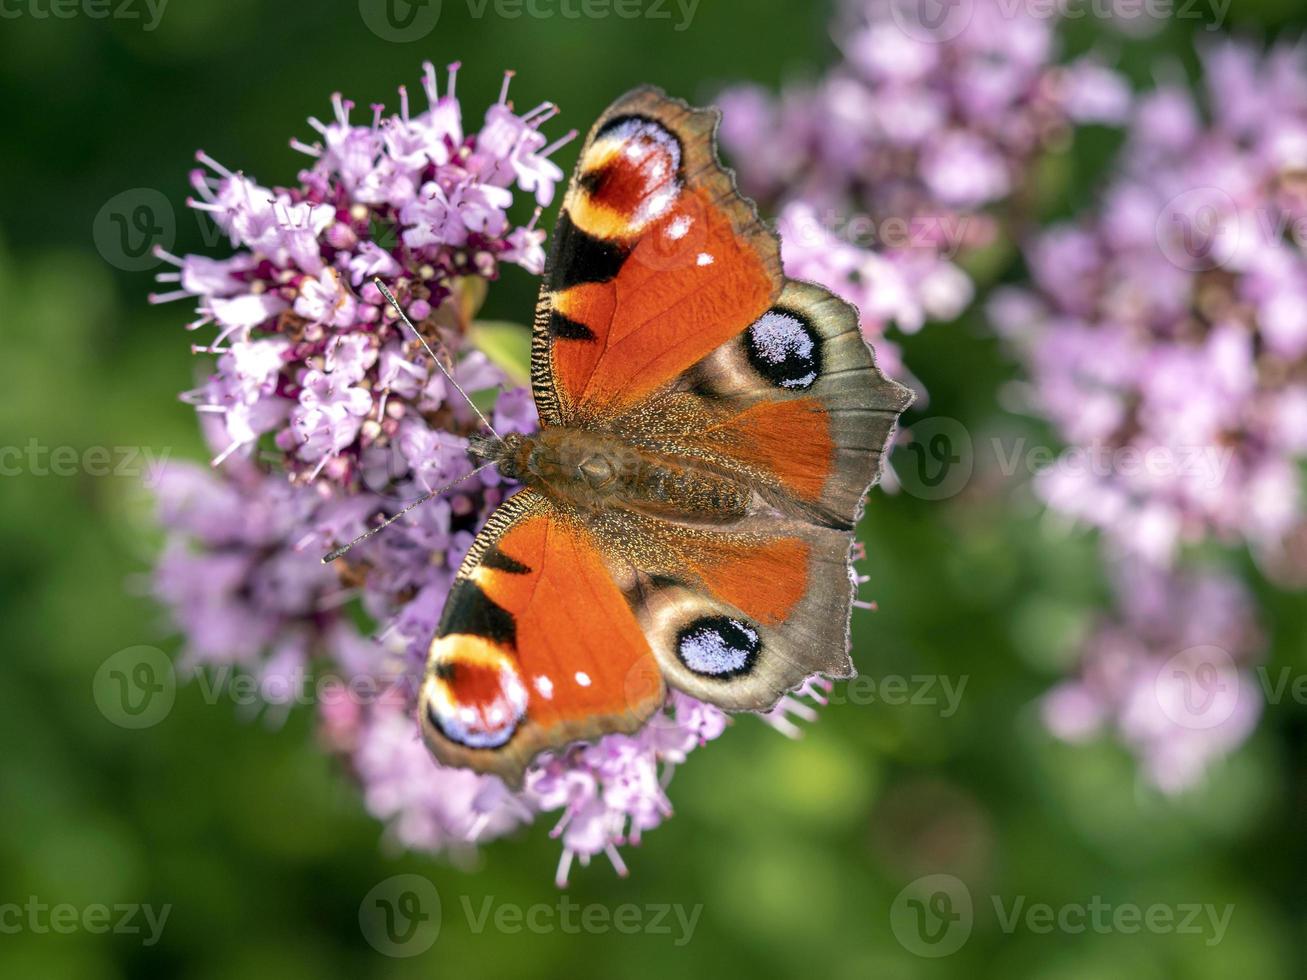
(1165, 339)
(1167, 332)
(325, 415)
(892, 169)
(1169, 671)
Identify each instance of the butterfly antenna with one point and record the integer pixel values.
(390, 298)
(391, 520)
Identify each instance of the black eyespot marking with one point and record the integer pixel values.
(567, 328)
(580, 258)
(470, 611)
(785, 349)
(500, 562)
(718, 647)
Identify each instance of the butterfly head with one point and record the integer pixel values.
(486, 447)
(509, 453)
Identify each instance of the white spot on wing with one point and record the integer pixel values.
(679, 226)
(583, 678)
(655, 205)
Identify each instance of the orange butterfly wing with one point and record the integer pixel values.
(537, 646)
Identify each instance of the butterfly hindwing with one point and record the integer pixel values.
(739, 615)
(537, 647)
(793, 405)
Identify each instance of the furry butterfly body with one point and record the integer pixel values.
(709, 429)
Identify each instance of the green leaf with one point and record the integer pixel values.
(383, 233)
(507, 344)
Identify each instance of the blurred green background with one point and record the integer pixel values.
(795, 850)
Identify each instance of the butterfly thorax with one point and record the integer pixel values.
(592, 471)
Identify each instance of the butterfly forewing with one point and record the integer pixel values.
(656, 261)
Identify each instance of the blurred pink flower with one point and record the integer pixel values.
(1170, 673)
(891, 168)
(1164, 341)
(1166, 333)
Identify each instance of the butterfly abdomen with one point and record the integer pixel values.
(674, 489)
(592, 471)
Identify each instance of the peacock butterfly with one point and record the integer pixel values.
(709, 429)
